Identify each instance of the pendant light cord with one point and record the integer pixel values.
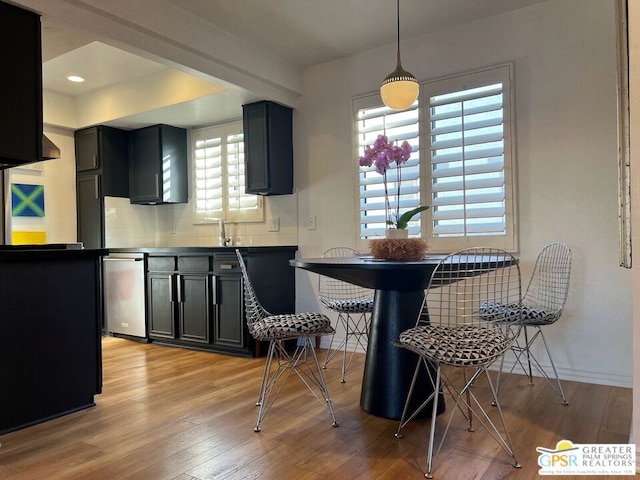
(398, 19)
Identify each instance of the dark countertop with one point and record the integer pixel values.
(11, 253)
(196, 250)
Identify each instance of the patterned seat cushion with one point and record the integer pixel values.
(350, 306)
(494, 311)
(460, 346)
(280, 327)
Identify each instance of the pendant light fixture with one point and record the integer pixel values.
(400, 89)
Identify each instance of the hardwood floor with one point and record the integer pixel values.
(169, 413)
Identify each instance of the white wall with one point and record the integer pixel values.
(58, 178)
(565, 68)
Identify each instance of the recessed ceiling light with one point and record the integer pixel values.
(75, 79)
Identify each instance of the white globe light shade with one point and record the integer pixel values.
(399, 94)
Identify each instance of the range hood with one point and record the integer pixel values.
(49, 149)
(49, 152)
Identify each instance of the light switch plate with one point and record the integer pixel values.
(311, 225)
(274, 224)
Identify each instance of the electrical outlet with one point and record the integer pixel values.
(311, 225)
(274, 224)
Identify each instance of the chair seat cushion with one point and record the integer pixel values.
(294, 325)
(350, 306)
(464, 345)
(494, 311)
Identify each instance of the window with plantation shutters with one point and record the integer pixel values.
(218, 176)
(462, 164)
(372, 119)
(470, 185)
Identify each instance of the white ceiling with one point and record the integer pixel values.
(297, 33)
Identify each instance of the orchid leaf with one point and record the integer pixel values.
(404, 219)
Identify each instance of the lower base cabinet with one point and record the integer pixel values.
(194, 308)
(195, 300)
(160, 305)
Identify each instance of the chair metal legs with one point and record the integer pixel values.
(465, 402)
(354, 327)
(304, 363)
(520, 350)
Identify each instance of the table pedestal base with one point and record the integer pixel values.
(389, 369)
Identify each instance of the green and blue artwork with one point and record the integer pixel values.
(27, 200)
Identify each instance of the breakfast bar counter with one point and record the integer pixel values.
(50, 329)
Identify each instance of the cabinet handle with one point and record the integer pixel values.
(95, 187)
(179, 287)
(95, 160)
(226, 266)
(214, 290)
(157, 186)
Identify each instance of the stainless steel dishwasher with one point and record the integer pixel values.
(124, 298)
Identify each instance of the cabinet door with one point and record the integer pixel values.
(229, 327)
(158, 160)
(20, 86)
(90, 211)
(160, 305)
(193, 293)
(268, 148)
(87, 149)
(145, 176)
(255, 147)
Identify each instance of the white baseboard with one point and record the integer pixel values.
(613, 379)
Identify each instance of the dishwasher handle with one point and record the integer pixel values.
(123, 259)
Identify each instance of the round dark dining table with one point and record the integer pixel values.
(399, 291)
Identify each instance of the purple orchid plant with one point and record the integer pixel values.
(383, 154)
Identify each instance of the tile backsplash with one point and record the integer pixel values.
(130, 226)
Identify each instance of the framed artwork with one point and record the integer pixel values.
(27, 200)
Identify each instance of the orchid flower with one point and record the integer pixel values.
(382, 155)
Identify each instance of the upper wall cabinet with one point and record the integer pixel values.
(268, 148)
(158, 159)
(20, 87)
(106, 149)
(102, 165)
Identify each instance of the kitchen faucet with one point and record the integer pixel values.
(224, 240)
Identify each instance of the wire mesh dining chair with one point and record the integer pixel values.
(455, 329)
(543, 304)
(303, 361)
(353, 304)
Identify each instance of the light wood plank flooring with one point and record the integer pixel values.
(169, 413)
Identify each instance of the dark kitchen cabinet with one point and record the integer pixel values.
(50, 354)
(20, 86)
(158, 165)
(89, 210)
(194, 298)
(102, 169)
(179, 296)
(268, 148)
(160, 305)
(195, 295)
(194, 314)
(229, 328)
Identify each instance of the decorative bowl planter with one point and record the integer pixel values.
(397, 233)
(398, 249)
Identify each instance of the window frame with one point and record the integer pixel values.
(223, 131)
(499, 73)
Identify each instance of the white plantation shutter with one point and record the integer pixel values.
(471, 167)
(218, 171)
(372, 119)
(462, 165)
